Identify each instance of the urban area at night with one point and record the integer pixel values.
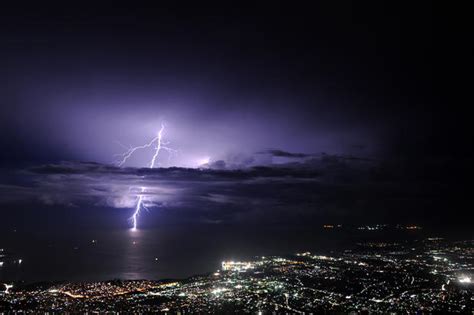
(432, 275)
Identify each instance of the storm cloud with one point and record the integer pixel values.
(321, 187)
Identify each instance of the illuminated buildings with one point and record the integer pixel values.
(238, 266)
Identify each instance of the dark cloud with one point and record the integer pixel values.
(281, 153)
(325, 186)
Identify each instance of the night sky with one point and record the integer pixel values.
(281, 116)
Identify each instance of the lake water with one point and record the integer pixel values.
(80, 244)
(173, 252)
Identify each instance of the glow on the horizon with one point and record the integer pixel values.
(203, 161)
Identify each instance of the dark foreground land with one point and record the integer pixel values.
(431, 275)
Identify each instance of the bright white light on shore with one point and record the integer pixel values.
(7, 288)
(465, 279)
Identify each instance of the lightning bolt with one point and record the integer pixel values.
(160, 145)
